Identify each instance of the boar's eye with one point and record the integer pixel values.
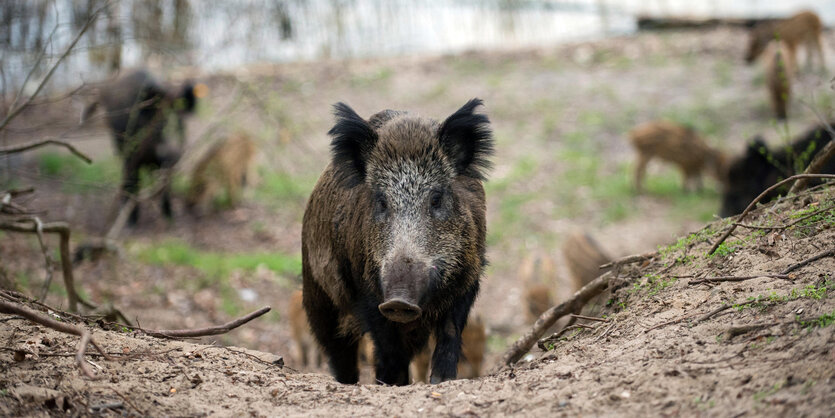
(380, 206)
(436, 199)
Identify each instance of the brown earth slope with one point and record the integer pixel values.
(770, 350)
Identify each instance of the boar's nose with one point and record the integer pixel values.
(400, 310)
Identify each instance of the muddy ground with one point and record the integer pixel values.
(560, 116)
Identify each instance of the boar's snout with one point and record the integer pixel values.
(400, 310)
(403, 282)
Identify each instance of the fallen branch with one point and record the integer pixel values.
(12, 308)
(757, 200)
(783, 276)
(710, 314)
(543, 343)
(12, 149)
(549, 317)
(629, 259)
(590, 318)
(793, 267)
(202, 332)
(788, 225)
(63, 231)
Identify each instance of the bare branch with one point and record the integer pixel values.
(737, 278)
(758, 198)
(13, 113)
(630, 259)
(13, 149)
(793, 267)
(202, 332)
(13, 308)
(549, 317)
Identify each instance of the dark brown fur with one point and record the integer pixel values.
(473, 344)
(138, 109)
(365, 269)
(679, 145)
(803, 28)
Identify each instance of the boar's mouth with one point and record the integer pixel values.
(400, 310)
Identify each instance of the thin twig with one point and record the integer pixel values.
(13, 308)
(13, 149)
(13, 113)
(543, 343)
(757, 199)
(63, 230)
(710, 314)
(590, 318)
(549, 317)
(629, 259)
(783, 276)
(788, 225)
(793, 267)
(202, 332)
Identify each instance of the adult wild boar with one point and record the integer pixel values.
(759, 168)
(393, 239)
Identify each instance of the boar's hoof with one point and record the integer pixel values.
(399, 310)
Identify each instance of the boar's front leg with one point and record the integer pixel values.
(448, 337)
(391, 354)
(323, 316)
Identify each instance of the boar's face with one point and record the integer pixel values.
(748, 176)
(416, 222)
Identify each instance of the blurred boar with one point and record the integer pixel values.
(138, 111)
(677, 144)
(538, 273)
(802, 28)
(759, 168)
(307, 352)
(584, 256)
(226, 166)
(779, 71)
(393, 239)
(473, 344)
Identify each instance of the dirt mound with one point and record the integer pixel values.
(683, 333)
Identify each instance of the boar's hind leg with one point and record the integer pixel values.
(448, 337)
(323, 317)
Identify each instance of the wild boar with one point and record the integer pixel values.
(759, 168)
(779, 72)
(138, 110)
(677, 144)
(226, 166)
(393, 239)
(584, 256)
(803, 28)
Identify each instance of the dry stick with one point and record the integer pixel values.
(590, 318)
(758, 198)
(36, 144)
(793, 267)
(12, 308)
(710, 314)
(12, 114)
(63, 231)
(629, 259)
(783, 276)
(202, 332)
(542, 344)
(788, 225)
(549, 317)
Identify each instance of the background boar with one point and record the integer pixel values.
(803, 28)
(307, 352)
(759, 168)
(226, 167)
(779, 72)
(393, 239)
(584, 256)
(138, 110)
(677, 144)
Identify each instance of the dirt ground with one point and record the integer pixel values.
(560, 116)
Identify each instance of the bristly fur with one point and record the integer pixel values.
(467, 139)
(353, 139)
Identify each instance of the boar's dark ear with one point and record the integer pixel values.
(466, 138)
(353, 140)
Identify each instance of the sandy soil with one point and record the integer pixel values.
(542, 103)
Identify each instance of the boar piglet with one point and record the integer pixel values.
(393, 239)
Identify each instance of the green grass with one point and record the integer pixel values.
(216, 264)
(277, 188)
(78, 176)
(822, 321)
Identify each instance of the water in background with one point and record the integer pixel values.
(218, 35)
